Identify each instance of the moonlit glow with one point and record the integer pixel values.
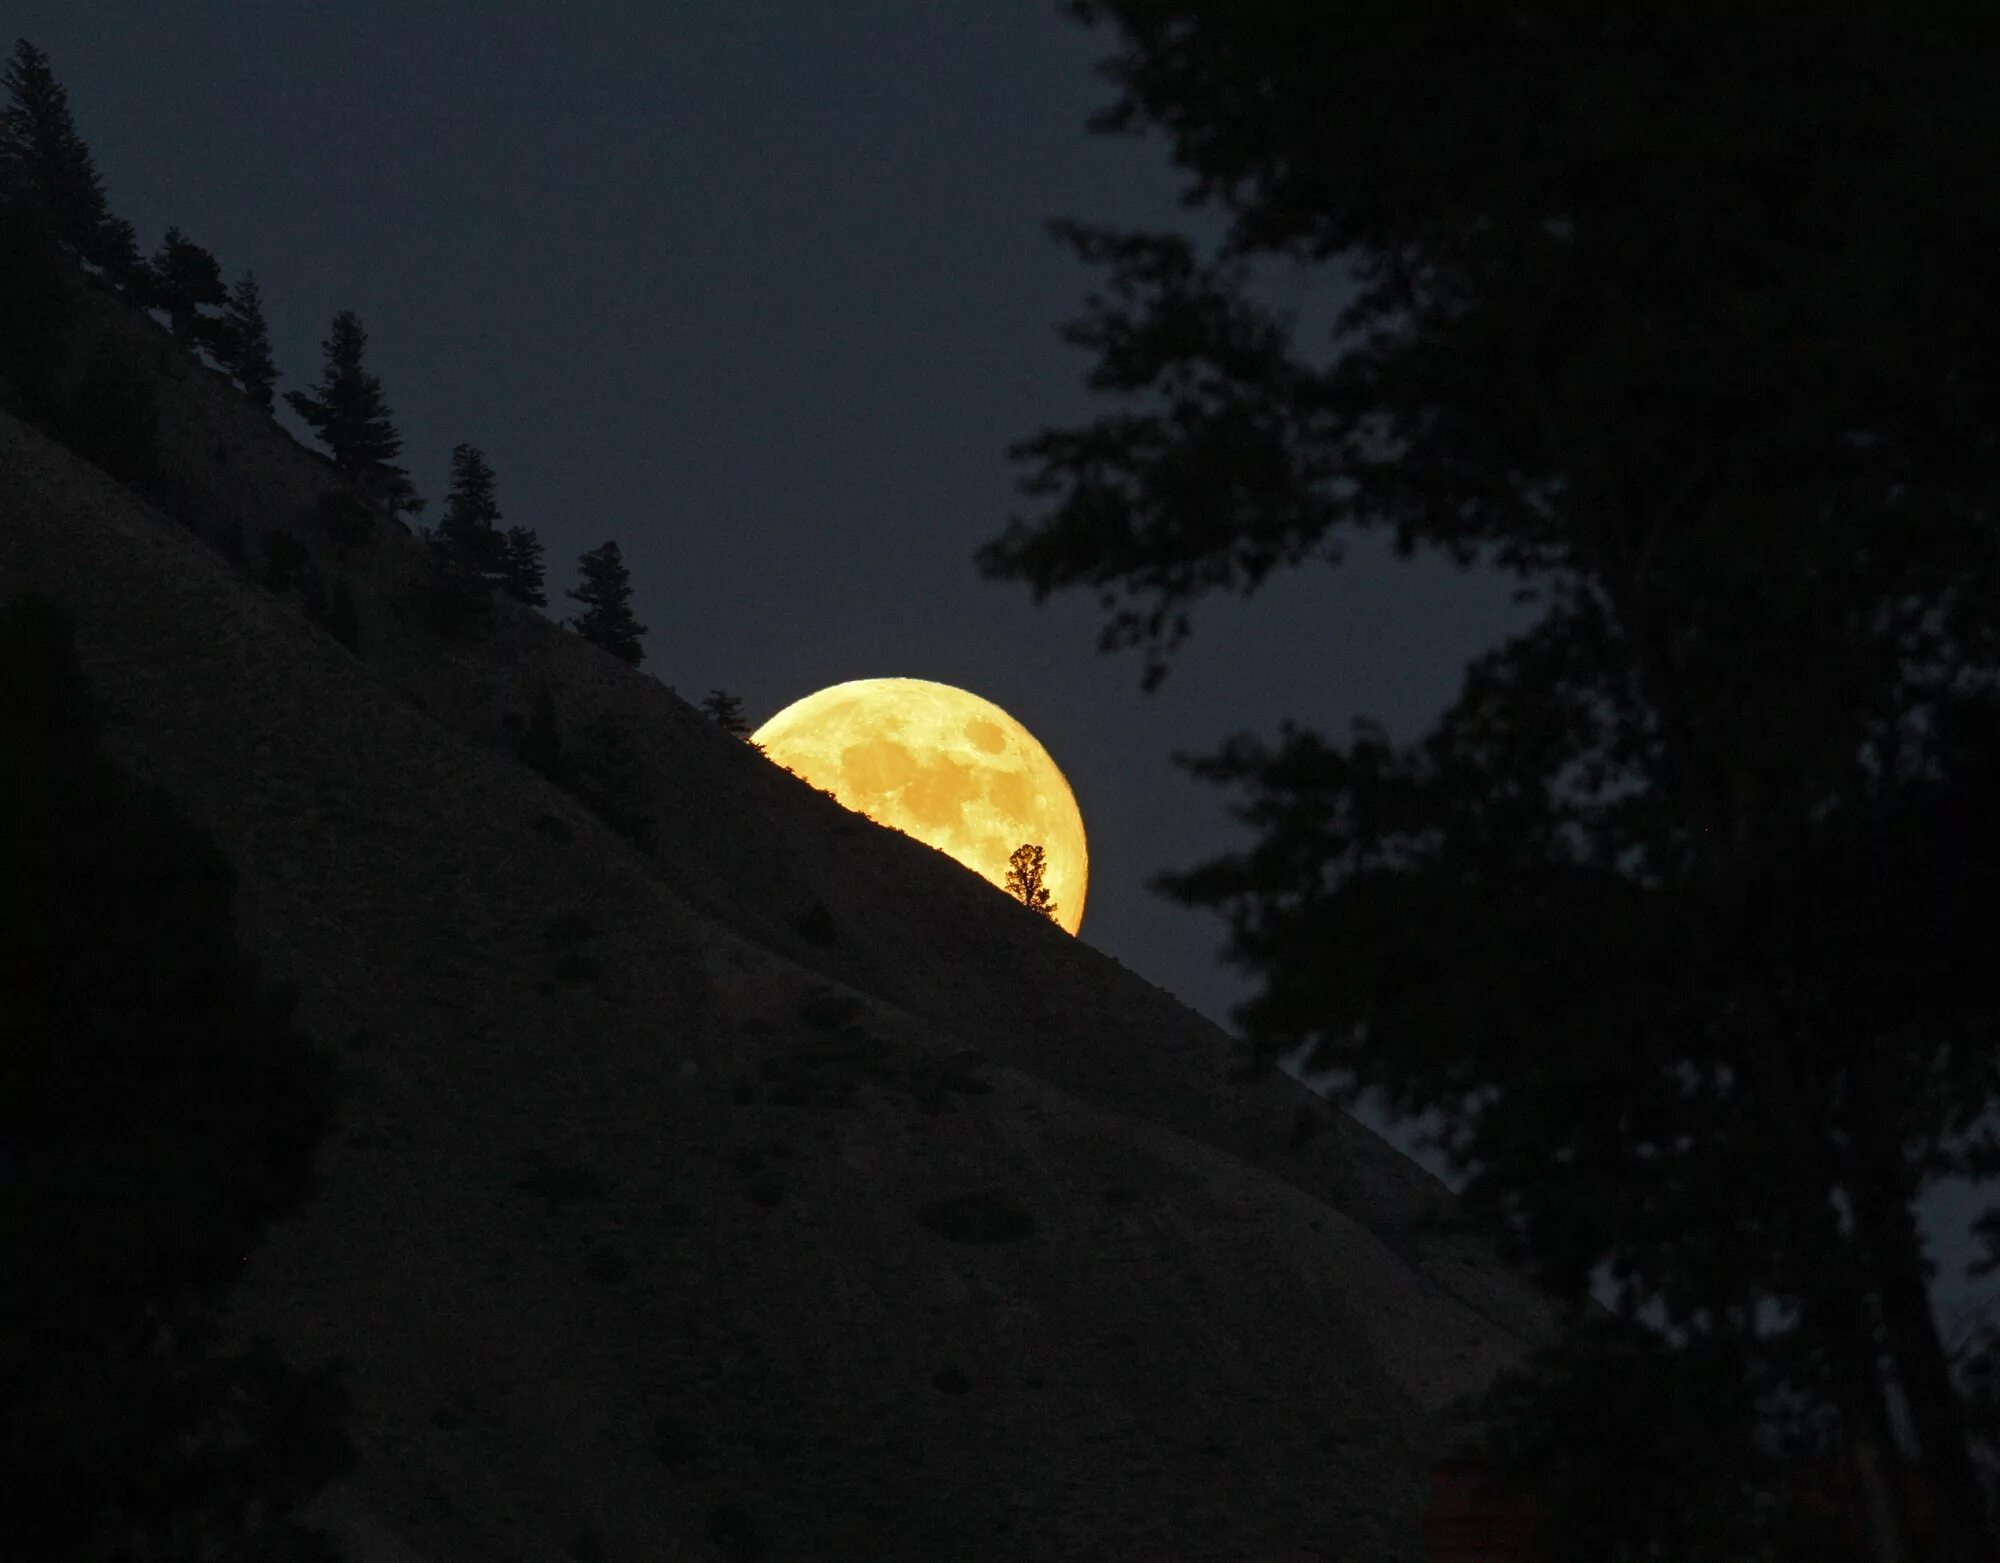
(944, 766)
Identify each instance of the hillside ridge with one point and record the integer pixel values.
(556, 1235)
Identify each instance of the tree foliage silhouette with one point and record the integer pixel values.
(37, 298)
(53, 169)
(726, 711)
(158, 1110)
(351, 416)
(242, 342)
(1025, 869)
(1697, 349)
(184, 278)
(521, 567)
(466, 532)
(606, 594)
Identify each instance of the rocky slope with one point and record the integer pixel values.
(666, 1220)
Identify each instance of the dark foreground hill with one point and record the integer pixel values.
(786, 1192)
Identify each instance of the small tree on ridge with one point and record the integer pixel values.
(1025, 872)
(606, 594)
(352, 418)
(242, 342)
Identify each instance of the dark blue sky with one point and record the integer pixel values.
(762, 292)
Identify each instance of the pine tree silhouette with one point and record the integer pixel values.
(1025, 870)
(242, 342)
(521, 567)
(37, 303)
(726, 711)
(53, 169)
(466, 532)
(158, 1109)
(606, 595)
(352, 418)
(183, 277)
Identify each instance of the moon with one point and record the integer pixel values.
(945, 766)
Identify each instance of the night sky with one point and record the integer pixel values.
(763, 292)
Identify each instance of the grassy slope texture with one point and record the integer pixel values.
(784, 1193)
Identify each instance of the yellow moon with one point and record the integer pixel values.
(945, 766)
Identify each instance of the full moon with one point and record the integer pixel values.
(945, 766)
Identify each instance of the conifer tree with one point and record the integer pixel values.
(521, 567)
(37, 302)
(606, 595)
(182, 278)
(242, 342)
(726, 711)
(1025, 870)
(52, 167)
(466, 533)
(352, 418)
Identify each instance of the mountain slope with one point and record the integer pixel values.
(948, 1238)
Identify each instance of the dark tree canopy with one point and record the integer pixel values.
(521, 567)
(726, 711)
(467, 531)
(1699, 346)
(184, 277)
(37, 303)
(242, 342)
(158, 1109)
(1026, 867)
(606, 594)
(51, 167)
(351, 415)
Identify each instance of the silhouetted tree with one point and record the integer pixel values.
(184, 277)
(1737, 439)
(158, 1109)
(242, 343)
(351, 416)
(521, 567)
(466, 533)
(726, 711)
(52, 168)
(37, 301)
(606, 595)
(1025, 870)
(453, 600)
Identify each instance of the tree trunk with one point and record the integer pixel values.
(1838, 1307)
(1875, 1468)
(1888, 1233)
